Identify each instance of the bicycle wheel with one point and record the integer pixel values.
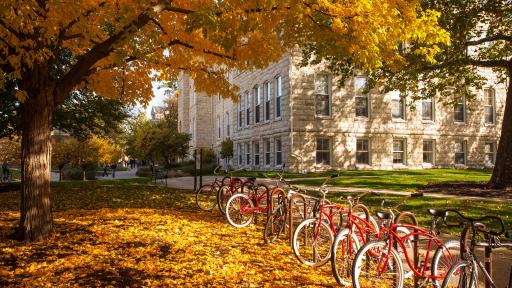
(409, 246)
(206, 197)
(240, 210)
(312, 242)
(342, 257)
(376, 265)
(275, 225)
(223, 196)
(444, 258)
(464, 274)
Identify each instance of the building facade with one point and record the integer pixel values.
(301, 117)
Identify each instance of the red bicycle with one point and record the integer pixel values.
(206, 196)
(379, 264)
(313, 239)
(231, 186)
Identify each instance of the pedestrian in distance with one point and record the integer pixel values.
(113, 167)
(5, 171)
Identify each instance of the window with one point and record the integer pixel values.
(323, 151)
(239, 112)
(460, 152)
(239, 153)
(278, 92)
(247, 109)
(322, 95)
(460, 110)
(228, 126)
(362, 97)
(490, 105)
(257, 103)
(279, 152)
(399, 151)
(267, 152)
(218, 126)
(266, 96)
(428, 151)
(398, 108)
(362, 151)
(247, 154)
(490, 153)
(427, 109)
(256, 151)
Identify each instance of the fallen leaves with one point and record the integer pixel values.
(167, 243)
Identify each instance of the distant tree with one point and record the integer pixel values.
(226, 149)
(108, 151)
(62, 154)
(10, 150)
(85, 154)
(82, 115)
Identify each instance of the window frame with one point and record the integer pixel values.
(493, 105)
(493, 152)
(247, 152)
(239, 154)
(455, 112)
(278, 151)
(257, 103)
(267, 99)
(329, 151)
(368, 151)
(432, 117)
(239, 115)
(401, 107)
(256, 153)
(464, 152)
(403, 151)
(218, 127)
(365, 96)
(228, 125)
(433, 152)
(278, 95)
(247, 109)
(329, 95)
(266, 151)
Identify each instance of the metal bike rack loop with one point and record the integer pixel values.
(401, 216)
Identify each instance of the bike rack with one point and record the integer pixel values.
(306, 199)
(414, 221)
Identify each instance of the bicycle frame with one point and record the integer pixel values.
(391, 235)
(257, 208)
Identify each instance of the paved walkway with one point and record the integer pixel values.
(188, 183)
(129, 174)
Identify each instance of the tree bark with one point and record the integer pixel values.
(502, 173)
(37, 111)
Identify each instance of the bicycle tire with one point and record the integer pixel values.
(206, 197)
(371, 250)
(236, 217)
(223, 196)
(458, 275)
(322, 244)
(341, 261)
(442, 262)
(275, 225)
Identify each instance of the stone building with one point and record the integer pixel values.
(302, 117)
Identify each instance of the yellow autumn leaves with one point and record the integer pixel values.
(150, 237)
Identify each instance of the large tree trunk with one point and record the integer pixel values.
(37, 111)
(502, 173)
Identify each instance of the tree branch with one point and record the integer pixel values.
(13, 31)
(490, 39)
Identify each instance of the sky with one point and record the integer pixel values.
(158, 98)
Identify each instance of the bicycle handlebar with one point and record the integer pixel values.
(475, 221)
(356, 198)
(216, 170)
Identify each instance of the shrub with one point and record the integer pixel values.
(74, 173)
(144, 171)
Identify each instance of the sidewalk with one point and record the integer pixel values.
(187, 183)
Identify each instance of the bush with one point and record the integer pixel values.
(144, 171)
(75, 173)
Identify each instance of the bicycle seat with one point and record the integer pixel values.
(508, 234)
(438, 213)
(384, 215)
(251, 179)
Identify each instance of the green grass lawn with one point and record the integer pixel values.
(399, 180)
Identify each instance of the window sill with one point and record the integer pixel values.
(360, 118)
(278, 119)
(319, 117)
(399, 166)
(363, 166)
(490, 125)
(459, 123)
(428, 122)
(399, 120)
(427, 165)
